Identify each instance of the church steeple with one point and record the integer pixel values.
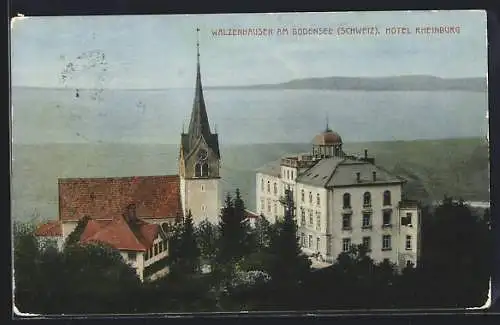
(199, 125)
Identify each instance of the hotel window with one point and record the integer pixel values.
(268, 205)
(160, 247)
(288, 174)
(262, 185)
(275, 208)
(386, 242)
(317, 244)
(132, 256)
(302, 217)
(408, 242)
(310, 198)
(367, 199)
(311, 217)
(328, 246)
(292, 176)
(262, 204)
(275, 189)
(407, 221)
(347, 201)
(387, 198)
(318, 199)
(346, 221)
(318, 220)
(387, 216)
(302, 240)
(302, 196)
(367, 243)
(146, 256)
(366, 219)
(268, 187)
(346, 245)
(310, 241)
(155, 249)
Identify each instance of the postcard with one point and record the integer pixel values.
(250, 162)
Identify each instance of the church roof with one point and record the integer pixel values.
(199, 125)
(340, 172)
(118, 233)
(103, 198)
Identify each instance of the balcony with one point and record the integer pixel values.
(367, 208)
(347, 210)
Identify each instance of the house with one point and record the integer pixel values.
(342, 200)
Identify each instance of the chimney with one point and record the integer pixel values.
(358, 177)
(131, 213)
(366, 153)
(374, 176)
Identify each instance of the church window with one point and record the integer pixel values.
(347, 201)
(367, 199)
(302, 196)
(292, 176)
(262, 204)
(317, 244)
(203, 208)
(202, 187)
(387, 198)
(268, 205)
(288, 174)
(318, 200)
(275, 208)
(268, 187)
(197, 170)
(262, 185)
(275, 189)
(310, 197)
(204, 170)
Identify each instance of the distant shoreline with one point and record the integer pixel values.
(396, 83)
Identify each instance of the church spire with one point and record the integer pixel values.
(327, 126)
(198, 125)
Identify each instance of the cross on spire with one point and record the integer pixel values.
(198, 43)
(327, 126)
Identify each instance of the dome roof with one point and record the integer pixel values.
(326, 138)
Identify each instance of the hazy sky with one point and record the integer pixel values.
(160, 51)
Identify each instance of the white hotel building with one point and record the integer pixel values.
(342, 200)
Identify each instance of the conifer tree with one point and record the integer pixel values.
(290, 265)
(232, 230)
(190, 259)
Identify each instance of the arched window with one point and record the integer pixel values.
(275, 189)
(197, 170)
(318, 200)
(387, 198)
(204, 170)
(268, 187)
(302, 196)
(347, 200)
(262, 185)
(310, 197)
(367, 199)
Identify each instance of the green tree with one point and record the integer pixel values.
(189, 263)
(206, 236)
(74, 237)
(289, 267)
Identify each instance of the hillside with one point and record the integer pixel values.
(456, 167)
(397, 83)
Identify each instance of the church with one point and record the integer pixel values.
(128, 213)
(342, 200)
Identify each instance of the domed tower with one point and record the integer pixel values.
(327, 144)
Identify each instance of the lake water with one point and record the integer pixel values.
(127, 133)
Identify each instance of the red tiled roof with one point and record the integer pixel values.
(99, 198)
(49, 229)
(251, 215)
(118, 234)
